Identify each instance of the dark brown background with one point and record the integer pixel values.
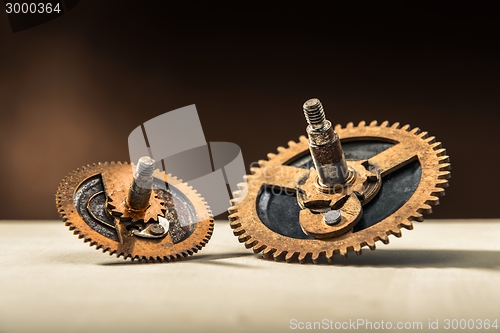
(71, 90)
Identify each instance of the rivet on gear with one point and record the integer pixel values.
(139, 216)
(341, 189)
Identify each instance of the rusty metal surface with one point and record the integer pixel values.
(409, 145)
(117, 237)
(360, 187)
(117, 182)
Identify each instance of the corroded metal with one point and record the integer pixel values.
(119, 187)
(140, 237)
(324, 145)
(139, 193)
(409, 145)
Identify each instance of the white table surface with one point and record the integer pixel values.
(53, 282)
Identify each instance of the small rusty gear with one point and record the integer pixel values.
(414, 170)
(117, 185)
(90, 201)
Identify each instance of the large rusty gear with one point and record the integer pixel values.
(90, 201)
(399, 153)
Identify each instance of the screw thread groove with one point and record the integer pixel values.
(145, 167)
(315, 115)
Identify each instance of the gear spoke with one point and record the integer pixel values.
(393, 158)
(283, 176)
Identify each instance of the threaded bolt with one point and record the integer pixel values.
(141, 187)
(315, 115)
(324, 145)
(145, 167)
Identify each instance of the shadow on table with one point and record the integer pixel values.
(214, 259)
(420, 258)
(404, 258)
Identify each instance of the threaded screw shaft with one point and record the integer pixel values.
(315, 115)
(145, 167)
(141, 187)
(324, 145)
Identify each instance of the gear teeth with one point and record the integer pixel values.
(268, 252)
(303, 138)
(329, 254)
(396, 125)
(281, 149)
(349, 125)
(423, 135)
(303, 257)
(250, 242)
(292, 143)
(430, 140)
(259, 247)
(444, 167)
(291, 256)
(417, 217)
(279, 255)
(397, 233)
(444, 159)
(315, 257)
(243, 238)
(425, 209)
(443, 183)
(234, 220)
(436, 145)
(338, 127)
(373, 123)
(406, 224)
(441, 152)
(438, 191)
(362, 123)
(383, 239)
(271, 155)
(238, 231)
(384, 124)
(406, 127)
(254, 170)
(415, 131)
(432, 201)
(263, 162)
